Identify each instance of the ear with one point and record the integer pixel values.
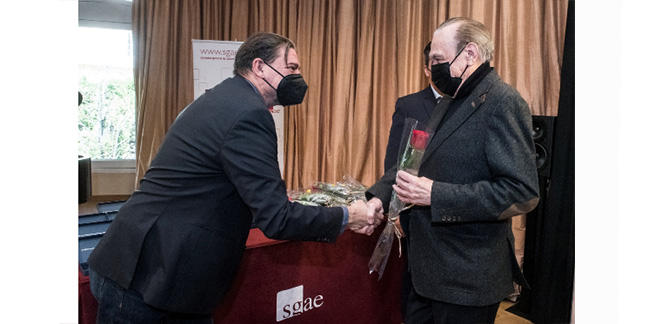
(426, 70)
(472, 52)
(257, 67)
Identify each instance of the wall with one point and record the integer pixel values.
(115, 177)
(111, 184)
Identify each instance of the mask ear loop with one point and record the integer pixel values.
(460, 76)
(276, 71)
(451, 62)
(269, 84)
(456, 56)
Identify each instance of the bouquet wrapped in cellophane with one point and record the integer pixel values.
(330, 194)
(412, 146)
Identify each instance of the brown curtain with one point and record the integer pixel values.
(163, 73)
(357, 56)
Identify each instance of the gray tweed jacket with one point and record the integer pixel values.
(482, 163)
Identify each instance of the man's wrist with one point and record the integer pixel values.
(346, 219)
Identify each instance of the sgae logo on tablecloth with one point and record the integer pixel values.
(291, 302)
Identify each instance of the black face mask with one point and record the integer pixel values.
(291, 89)
(443, 80)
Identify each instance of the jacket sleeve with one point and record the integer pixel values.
(395, 133)
(382, 189)
(512, 187)
(249, 157)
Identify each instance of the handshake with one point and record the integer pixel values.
(364, 217)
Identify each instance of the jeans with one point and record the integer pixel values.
(119, 305)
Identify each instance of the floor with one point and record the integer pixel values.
(91, 207)
(503, 316)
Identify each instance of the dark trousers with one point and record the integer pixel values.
(406, 285)
(421, 310)
(119, 305)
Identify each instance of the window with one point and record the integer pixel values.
(106, 115)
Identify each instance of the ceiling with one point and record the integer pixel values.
(105, 14)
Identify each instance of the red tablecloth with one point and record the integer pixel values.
(333, 280)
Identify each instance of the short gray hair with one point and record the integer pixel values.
(472, 31)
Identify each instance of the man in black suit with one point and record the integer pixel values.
(174, 248)
(419, 106)
(478, 171)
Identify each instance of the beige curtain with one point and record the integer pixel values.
(163, 73)
(357, 56)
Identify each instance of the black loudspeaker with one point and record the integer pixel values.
(543, 133)
(84, 178)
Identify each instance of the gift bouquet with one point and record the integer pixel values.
(410, 155)
(330, 194)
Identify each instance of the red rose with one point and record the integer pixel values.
(419, 140)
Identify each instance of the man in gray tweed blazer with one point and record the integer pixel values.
(478, 171)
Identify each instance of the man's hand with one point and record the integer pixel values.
(412, 189)
(363, 219)
(375, 208)
(375, 212)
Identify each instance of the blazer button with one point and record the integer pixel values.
(443, 218)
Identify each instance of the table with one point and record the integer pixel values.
(312, 283)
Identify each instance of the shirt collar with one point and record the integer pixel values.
(252, 85)
(437, 95)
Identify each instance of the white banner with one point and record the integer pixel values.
(213, 62)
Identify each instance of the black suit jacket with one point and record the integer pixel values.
(179, 239)
(481, 159)
(419, 106)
